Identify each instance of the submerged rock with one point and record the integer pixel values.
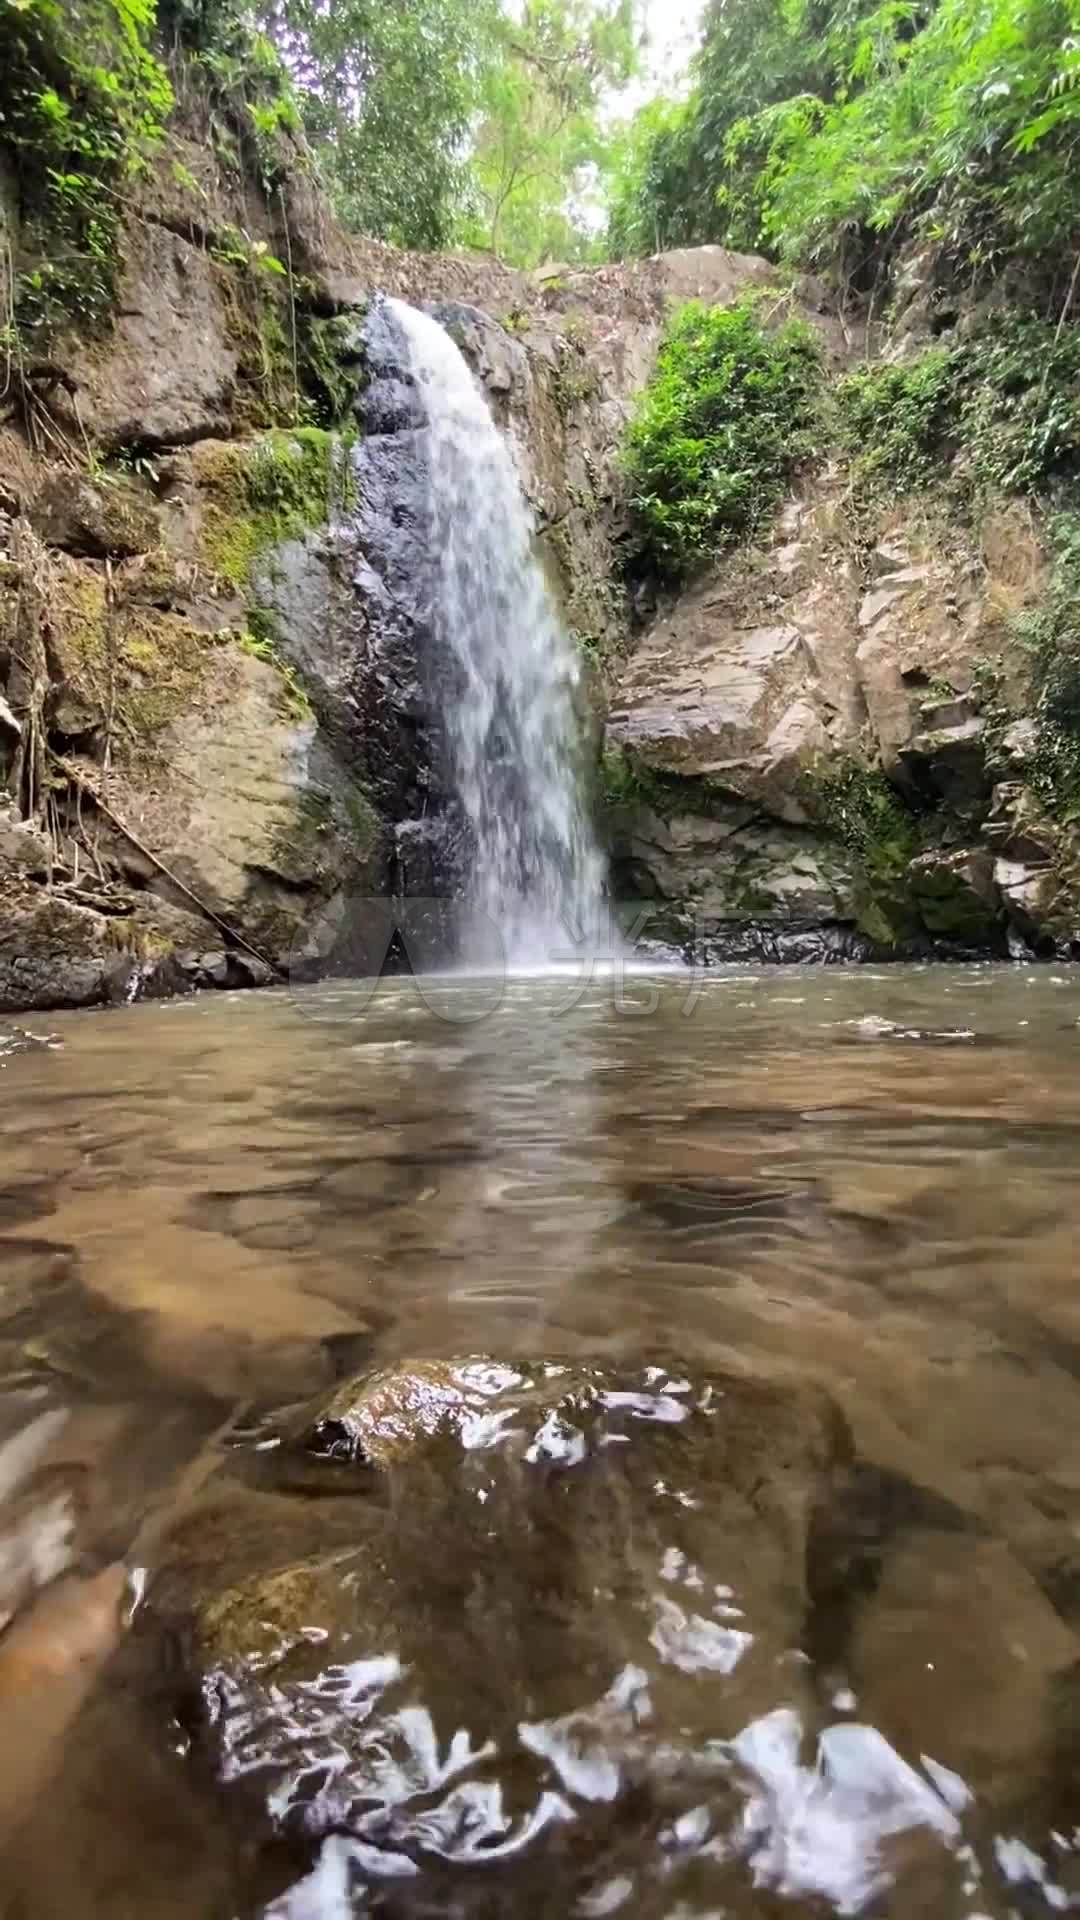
(567, 1638)
(540, 1596)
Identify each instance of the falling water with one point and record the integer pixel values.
(535, 892)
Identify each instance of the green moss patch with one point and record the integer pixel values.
(257, 495)
(126, 670)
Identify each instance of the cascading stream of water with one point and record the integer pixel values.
(512, 716)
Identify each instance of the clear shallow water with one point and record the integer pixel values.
(841, 1190)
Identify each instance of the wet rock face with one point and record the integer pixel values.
(483, 1638)
(353, 605)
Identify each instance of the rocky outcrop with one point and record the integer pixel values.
(811, 742)
(189, 822)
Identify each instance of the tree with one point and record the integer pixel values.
(682, 186)
(388, 92)
(647, 156)
(538, 133)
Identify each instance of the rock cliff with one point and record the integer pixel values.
(215, 733)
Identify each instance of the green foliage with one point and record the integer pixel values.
(954, 126)
(679, 183)
(728, 414)
(82, 106)
(326, 350)
(256, 122)
(387, 94)
(205, 25)
(538, 143)
(652, 203)
(431, 121)
(834, 132)
(900, 421)
(998, 410)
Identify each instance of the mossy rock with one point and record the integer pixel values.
(129, 668)
(861, 810)
(956, 896)
(259, 494)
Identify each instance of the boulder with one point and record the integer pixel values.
(499, 362)
(958, 895)
(242, 802)
(55, 952)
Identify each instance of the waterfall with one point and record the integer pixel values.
(511, 675)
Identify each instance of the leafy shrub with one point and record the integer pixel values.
(901, 420)
(999, 410)
(728, 414)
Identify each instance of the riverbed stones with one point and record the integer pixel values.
(958, 1638)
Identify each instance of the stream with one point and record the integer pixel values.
(709, 1541)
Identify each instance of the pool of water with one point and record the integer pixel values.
(742, 1575)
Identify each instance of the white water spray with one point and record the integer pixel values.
(535, 894)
